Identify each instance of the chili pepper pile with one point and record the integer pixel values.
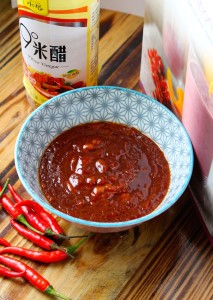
(31, 221)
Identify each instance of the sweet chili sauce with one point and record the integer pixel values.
(105, 172)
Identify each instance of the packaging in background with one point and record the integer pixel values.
(177, 70)
(59, 42)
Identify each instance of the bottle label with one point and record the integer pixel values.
(39, 7)
(60, 51)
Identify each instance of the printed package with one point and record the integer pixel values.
(177, 70)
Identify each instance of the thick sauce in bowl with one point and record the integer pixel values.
(104, 172)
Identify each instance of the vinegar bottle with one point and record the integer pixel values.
(59, 41)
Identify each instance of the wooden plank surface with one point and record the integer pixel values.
(168, 257)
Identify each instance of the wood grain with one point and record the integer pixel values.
(168, 257)
(167, 274)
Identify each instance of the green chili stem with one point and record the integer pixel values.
(22, 220)
(51, 291)
(4, 187)
(62, 236)
(71, 249)
(56, 247)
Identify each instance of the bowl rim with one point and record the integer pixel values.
(95, 224)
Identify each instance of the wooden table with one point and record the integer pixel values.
(168, 257)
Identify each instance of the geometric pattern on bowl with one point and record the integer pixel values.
(104, 103)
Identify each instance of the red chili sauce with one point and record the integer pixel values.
(104, 172)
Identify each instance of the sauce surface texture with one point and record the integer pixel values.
(104, 172)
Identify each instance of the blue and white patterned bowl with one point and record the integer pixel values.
(107, 104)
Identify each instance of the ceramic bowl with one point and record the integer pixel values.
(106, 104)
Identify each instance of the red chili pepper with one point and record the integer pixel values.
(3, 242)
(15, 196)
(54, 226)
(34, 219)
(9, 206)
(8, 273)
(41, 256)
(43, 241)
(31, 276)
(34, 237)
